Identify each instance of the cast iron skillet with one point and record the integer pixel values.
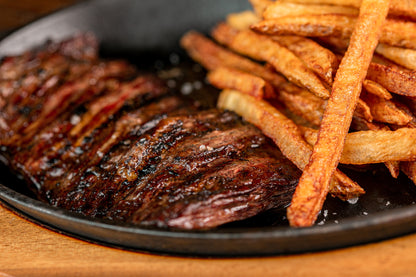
(137, 28)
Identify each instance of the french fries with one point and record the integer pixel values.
(282, 59)
(310, 42)
(317, 58)
(313, 185)
(398, 8)
(242, 20)
(212, 56)
(228, 78)
(376, 89)
(260, 5)
(395, 32)
(395, 80)
(402, 56)
(281, 9)
(285, 134)
(369, 147)
(409, 168)
(302, 103)
(386, 111)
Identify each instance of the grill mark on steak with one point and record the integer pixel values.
(102, 140)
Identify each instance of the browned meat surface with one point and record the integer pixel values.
(97, 138)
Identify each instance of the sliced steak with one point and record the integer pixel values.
(97, 138)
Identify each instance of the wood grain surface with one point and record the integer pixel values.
(27, 249)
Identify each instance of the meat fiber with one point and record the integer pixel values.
(97, 138)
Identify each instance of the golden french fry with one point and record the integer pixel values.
(386, 110)
(398, 8)
(311, 107)
(376, 89)
(263, 48)
(242, 20)
(393, 79)
(313, 185)
(408, 111)
(369, 147)
(409, 168)
(285, 134)
(260, 5)
(310, 25)
(403, 9)
(302, 103)
(212, 56)
(402, 56)
(394, 168)
(395, 32)
(318, 59)
(363, 110)
(351, 3)
(362, 124)
(282, 9)
(338, 44)
(228, 78)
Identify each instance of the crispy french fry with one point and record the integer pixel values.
(228, 78)
(376, 89)
(310, 25)
(395, 80)
(403, 9)
(313, 185)
(394, 168)
(385, 110)
(285, 134)
(369, 147)
(302, 103)
(242, 20)
(282, 9)
(363, 110)
(408, 111)
(362, 124)
(409, 168)
(264, 48)
(351, 3)
(395, 32)
(260, 5)
(319, 59)
(337, 44)
(212, 56)
(402, 56)
(398, 8)
(311, 107)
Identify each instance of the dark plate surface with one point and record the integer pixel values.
(147, 32)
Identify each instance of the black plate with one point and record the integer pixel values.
(136, 28)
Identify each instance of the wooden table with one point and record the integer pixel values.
(27, 249)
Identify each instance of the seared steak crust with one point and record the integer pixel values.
(97, 138)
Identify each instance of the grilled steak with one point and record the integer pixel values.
(98, 138)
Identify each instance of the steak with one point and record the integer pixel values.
(99, 138)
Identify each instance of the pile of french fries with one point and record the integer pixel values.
(329, 81)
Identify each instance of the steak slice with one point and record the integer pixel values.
(107, 142)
